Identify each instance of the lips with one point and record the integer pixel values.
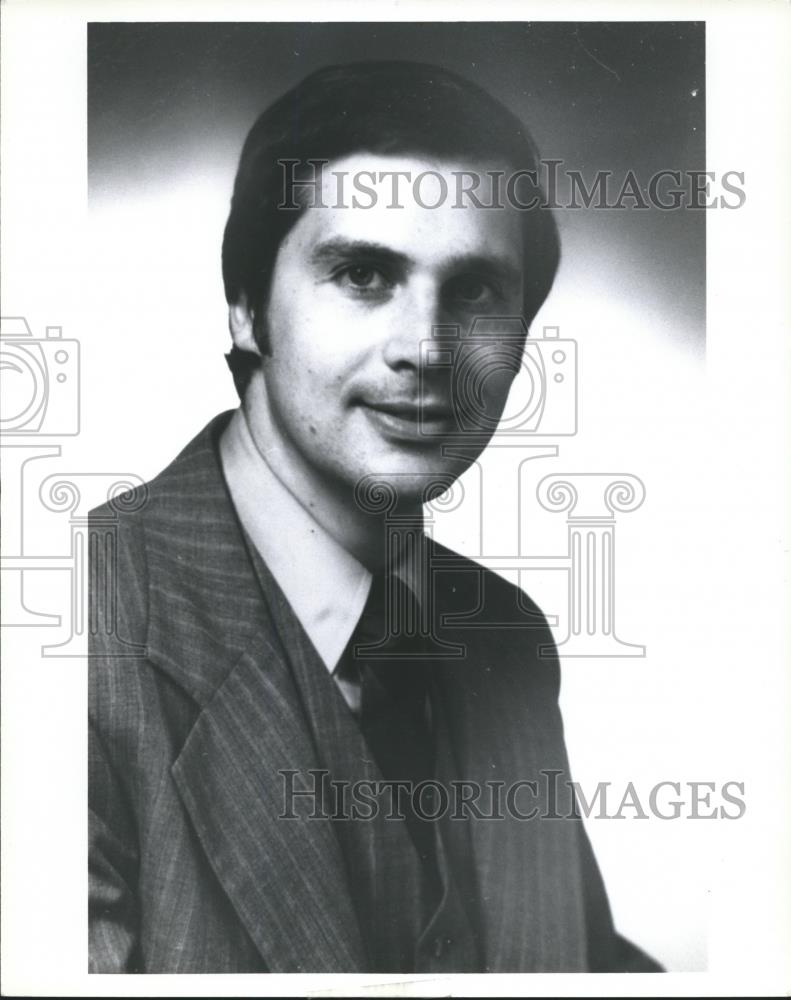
(413, 411)
(409, 420)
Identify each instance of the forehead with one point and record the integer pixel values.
(414, 205)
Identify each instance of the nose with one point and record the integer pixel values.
(418, 311)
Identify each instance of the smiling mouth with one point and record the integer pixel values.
(410, 421)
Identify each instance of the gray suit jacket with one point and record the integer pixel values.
(194, 711)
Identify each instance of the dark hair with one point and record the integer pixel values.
(376, 107)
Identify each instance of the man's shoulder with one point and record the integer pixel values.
(502, 630)
(156, 532)
(473, 581)
(194, 467)
(168, 576)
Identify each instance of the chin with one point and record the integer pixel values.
(406, 483)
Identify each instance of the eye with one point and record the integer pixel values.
(362, 277)
(470, 289)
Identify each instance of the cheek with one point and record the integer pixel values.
(487, 381)
(295, 352)
(498, 385)
(328, 359)
(307, 374)
(317, 331)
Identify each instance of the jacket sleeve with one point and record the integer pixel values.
(608, 951)
(112, 864)
(113, 855)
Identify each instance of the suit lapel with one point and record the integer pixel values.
(211, 630)
(284, 876)
(383, 865)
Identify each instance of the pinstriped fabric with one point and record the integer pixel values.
(285, 877)
(382, 866)
(191, 869)
(490, 703)
(193, 735)
(501, 705)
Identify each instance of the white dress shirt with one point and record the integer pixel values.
(325, 585)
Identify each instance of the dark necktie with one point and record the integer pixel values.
(386, 654)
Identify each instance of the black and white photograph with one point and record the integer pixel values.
(338, 349)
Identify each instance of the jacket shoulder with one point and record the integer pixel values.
(494, 592)
(497, 618)
(125, 524)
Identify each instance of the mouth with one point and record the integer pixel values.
(410, 421)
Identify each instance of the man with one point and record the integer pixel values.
(286, 634)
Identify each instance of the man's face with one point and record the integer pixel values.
(355, 292)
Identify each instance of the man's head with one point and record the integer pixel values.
(332, 297)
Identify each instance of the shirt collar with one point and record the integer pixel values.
(325, 584)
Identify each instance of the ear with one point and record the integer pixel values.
(240, 322)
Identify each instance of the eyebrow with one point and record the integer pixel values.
(343, 249)
(494, 266)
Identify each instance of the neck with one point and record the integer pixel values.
(366, 533)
